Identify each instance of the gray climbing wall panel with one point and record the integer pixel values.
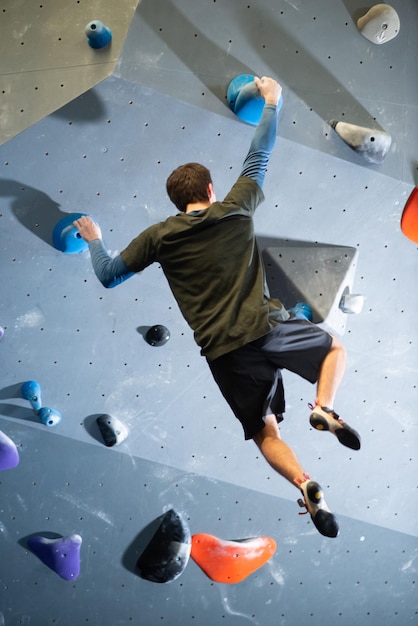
(108, 153)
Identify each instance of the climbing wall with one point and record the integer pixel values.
(107, 152)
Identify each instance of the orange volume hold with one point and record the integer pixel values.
(231, 561)
(409, 221)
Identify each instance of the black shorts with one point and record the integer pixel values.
(250, 377)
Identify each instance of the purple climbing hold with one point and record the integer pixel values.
(9, 456)
(49, 417)
(31, 391)
(62, 554)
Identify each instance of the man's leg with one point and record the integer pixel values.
(331, 374)
(282, 459)
(323, 416)
(278, 454)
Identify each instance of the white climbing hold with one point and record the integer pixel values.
(371, 144)
(351, 303)
(380, 24)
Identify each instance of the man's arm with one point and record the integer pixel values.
(110, 271)
(256, 161)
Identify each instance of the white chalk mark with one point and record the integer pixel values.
(83, 507)
(184, 390)
(292, 5)
(227, 607)
(30, 319)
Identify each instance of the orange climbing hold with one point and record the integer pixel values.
(409, 221)
(231, 561)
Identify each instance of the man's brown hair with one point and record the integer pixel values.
(187, 184)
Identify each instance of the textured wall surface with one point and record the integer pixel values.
(107, 152)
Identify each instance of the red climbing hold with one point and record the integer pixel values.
(231, 561)
(409, 221)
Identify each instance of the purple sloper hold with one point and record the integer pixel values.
(62, 555)
(9, 456)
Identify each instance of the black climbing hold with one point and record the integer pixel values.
(111, 429)
(167, 554)
(157, 335)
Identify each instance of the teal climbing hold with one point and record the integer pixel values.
(303, 311)
(9, 456)
(62, 554)
(98, 35)
(65, 236)
(31, 391)
(244, 99)
(49, 417)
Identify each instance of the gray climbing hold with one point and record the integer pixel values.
(380, 24)
(111, 429)
(371, 144)
(351, 303)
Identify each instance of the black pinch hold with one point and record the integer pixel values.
(111, 429)
(167, 553)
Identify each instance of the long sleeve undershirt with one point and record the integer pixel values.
(256, 161)
(113, 271)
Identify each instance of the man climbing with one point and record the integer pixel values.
(208, 253)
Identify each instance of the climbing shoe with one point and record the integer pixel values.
(315, 505)
(323, 418)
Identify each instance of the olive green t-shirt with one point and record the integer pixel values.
(212, 263)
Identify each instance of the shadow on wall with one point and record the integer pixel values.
(204, 51)
(304, 75)
(356, 8)
(33, 208)
(88, 107)
(215, 66)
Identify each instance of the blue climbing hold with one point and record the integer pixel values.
(9, 456)
(303, 311)
(167, 554)
(98, 35)
(65, 236)
(157, 335)
(31, 391)
(244, 99)
(62, 554)
(49, 417)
